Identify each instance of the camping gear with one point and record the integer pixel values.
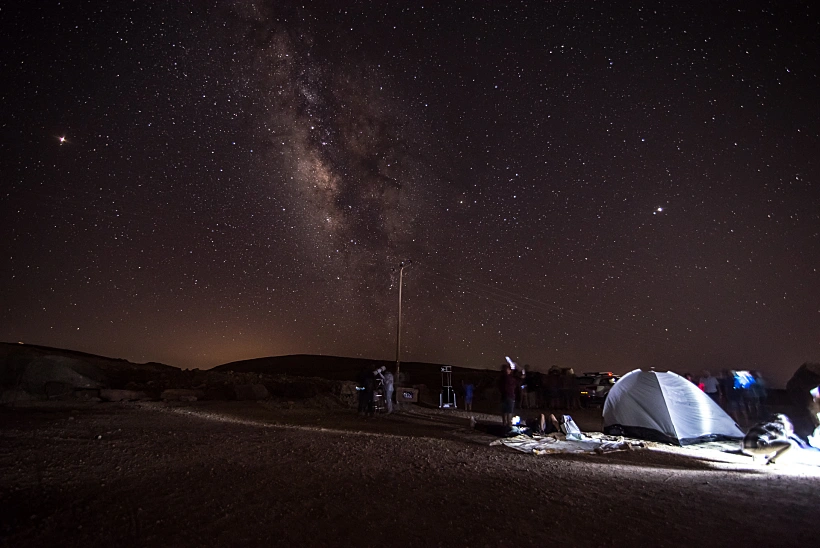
(556, 443)
(447, 398)
(407, 395)
(665, 407)
(570, 429)
(799, 388)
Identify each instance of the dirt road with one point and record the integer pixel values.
(252, 474)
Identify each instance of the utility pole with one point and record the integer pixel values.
(402, 266)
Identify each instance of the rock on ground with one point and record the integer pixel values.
(181, 394)
(250, 392)
(113, 395)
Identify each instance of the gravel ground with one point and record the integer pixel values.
(264, 473)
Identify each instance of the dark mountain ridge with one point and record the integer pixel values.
(343, 368)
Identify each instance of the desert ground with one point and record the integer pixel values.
(301, 474)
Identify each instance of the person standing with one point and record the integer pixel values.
(523, 390)
(554, 388)
(469, 388)
(761, 392)
(535, 381)
(387, 382)
(566, 389)
(710, 386)
(361, 389)
(370, 394)
(507, 384)
(574, 390)
(733, 392)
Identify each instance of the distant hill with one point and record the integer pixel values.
(36, 372)
(341, 368)
(12, 353)
(16, 359)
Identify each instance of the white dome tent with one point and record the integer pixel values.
(665, 407)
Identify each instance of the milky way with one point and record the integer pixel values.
(337, 130)
(601, 187)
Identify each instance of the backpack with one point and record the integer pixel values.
(569, 428)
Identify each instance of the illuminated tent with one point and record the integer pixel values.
(665, 407)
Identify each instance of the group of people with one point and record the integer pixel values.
(530, 389)
(373, 384)
(557, 389)
(510, 385)
(742, 394)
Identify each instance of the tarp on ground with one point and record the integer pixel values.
(665, 407)
(558, 443)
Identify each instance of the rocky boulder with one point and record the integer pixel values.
(250, 392)
(17, 395)
(86, 394)
(53, 375)
(110, 394)
(57, 389)
(181, 394)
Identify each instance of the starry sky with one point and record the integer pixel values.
(601, 186)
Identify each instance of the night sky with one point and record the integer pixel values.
(601, 186)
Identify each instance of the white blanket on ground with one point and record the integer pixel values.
(718, 452)
(558, 443)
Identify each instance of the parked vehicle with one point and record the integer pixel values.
(595, 387)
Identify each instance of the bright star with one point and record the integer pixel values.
(61, 139)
